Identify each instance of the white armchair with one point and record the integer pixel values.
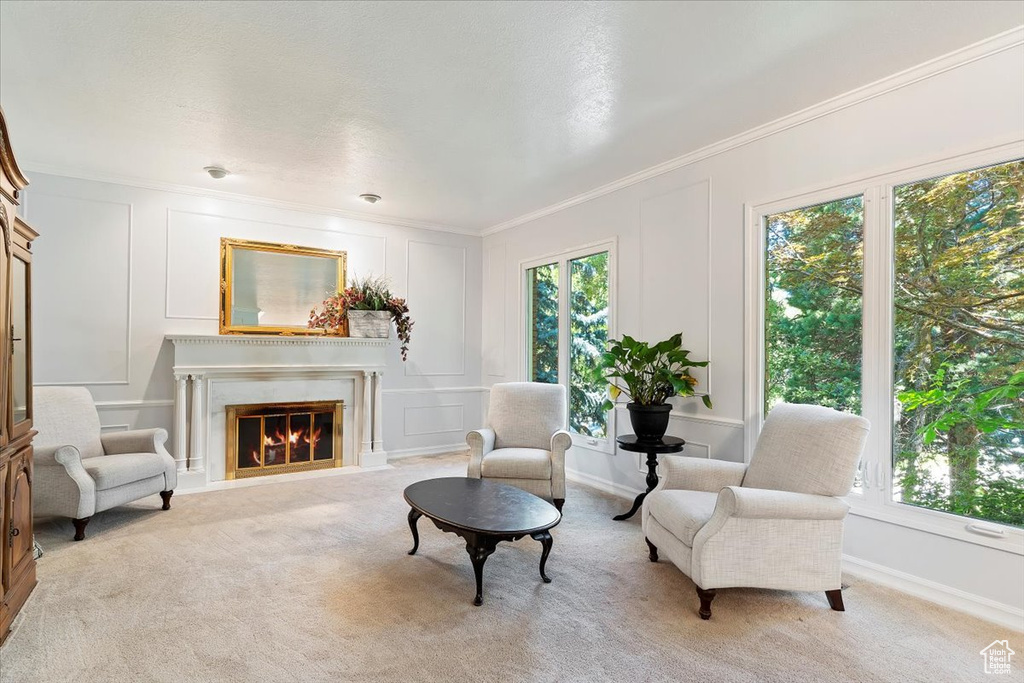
(524, 443)
(777, 523)
(79, 471)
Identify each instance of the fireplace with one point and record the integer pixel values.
(276, 438)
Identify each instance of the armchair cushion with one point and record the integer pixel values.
(526, 414)
(110, 471)
(66, 416)
(683, 513)
(517, 463)
(807, 449)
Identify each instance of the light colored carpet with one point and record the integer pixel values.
(310, 581)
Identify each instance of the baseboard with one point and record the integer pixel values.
(600, 484)
(454, 448)
(954, 598)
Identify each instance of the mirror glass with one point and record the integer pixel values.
(271, 288)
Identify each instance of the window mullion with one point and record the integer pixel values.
(876, 364)
(563, 327)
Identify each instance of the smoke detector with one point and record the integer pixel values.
(217, 172)
(370, 198)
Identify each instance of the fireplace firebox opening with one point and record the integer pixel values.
(276, 438)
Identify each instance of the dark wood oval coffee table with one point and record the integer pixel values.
(484, 513)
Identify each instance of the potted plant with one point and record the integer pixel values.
(648, 376)
(369, 307)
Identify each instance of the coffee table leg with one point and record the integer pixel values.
(414, 517)
(545, 540)
(479, 550)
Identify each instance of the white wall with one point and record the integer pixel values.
(117, 267)
(681, 267)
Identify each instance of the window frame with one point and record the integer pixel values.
(562, 259)
(875, 500)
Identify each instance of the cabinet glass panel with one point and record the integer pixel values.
(19, 330)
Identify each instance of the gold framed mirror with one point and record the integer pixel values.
(269, 288)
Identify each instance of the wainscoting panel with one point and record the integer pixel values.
(94, 310)
(193, 255)
(437, 297)
(444, 419)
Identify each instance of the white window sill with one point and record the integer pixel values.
(939, 523)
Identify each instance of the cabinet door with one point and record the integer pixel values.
(5, 578)
(19, 529)
(20, 396)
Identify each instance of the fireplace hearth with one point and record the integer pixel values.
(276, 438)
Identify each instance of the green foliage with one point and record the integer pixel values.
(543, 289)
(648, 375)
(588, 335)
(958, 332)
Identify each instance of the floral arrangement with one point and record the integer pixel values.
(370, 293)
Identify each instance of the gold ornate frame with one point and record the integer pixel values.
(227, 247)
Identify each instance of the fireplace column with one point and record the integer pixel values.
(195, 459)
(364, 451)
(180, 422)
(378, 415)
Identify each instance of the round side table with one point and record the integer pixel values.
(666, 445)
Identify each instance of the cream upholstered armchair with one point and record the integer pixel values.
(524, 443)
(79, 471)
(777, 523)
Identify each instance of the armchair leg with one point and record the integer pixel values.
(706, 596)
(166, 495)
(835, 599)
(80, 527)
(559, 502)
(653, 551)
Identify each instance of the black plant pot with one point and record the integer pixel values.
(649, 422)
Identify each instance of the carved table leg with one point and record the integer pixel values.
(80, 527)
(479, 550)
(652, 481)
(166, 496)
(654, 551)
(545, 540)
(414, 516)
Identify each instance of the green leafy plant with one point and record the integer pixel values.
(646, 374)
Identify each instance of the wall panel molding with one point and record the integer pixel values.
(129, 293)
(463, 315)
(443, 410)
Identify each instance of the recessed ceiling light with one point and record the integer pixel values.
(370, 198)
(217, 171)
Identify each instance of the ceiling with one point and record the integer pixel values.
(460, 114)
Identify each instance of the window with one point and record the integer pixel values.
(904, 301)
(542, 318)
(814, 275)
(567, 307)
(958, 344)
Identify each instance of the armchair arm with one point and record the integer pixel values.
(695, 474)
(748, 503)
(134, 441)
(560, 443)
(480, 442)
(63, 486)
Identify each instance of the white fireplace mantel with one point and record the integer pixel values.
(213, 371)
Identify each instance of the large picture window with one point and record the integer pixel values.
(958, 341)
(903, 301)
(568, 311)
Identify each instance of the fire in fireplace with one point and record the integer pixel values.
(275, 438)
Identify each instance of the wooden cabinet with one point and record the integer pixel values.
(17, 562)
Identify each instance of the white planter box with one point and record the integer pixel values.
(369, 324)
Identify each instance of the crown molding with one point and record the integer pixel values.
(933, 67)
(161, 186)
